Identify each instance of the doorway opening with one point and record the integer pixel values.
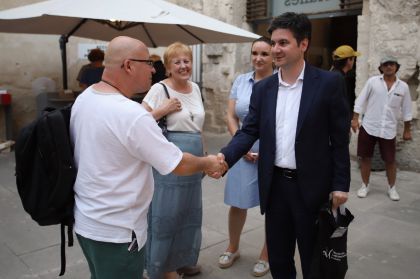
(327, 35)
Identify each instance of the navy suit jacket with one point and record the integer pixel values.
(322, 135)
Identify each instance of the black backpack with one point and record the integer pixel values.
(45, 172)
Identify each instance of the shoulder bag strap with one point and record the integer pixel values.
(162, 122)
(166, 89)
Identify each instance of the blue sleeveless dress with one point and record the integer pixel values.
(241, 188)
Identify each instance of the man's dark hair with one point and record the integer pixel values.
(96, 54)
(298, 24)
(339, 64)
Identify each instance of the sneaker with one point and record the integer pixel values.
(227, 259)
(261, 268)
(393, 194)
(363, 191)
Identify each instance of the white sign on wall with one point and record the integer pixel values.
(84, 49)
(304, 6)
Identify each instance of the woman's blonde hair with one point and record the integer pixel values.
(175, 49)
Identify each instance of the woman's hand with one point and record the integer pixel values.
(170, 105)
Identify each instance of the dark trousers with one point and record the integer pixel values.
(288, 221)
(108, 260)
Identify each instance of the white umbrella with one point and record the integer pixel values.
(155, 22)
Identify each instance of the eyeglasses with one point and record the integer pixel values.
(147, 61)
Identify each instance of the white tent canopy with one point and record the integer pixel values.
(155, 22)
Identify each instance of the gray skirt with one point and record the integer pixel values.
(175, 215)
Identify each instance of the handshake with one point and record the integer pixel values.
(215, 165)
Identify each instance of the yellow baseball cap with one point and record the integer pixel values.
(344, 51)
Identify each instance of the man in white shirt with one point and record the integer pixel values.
(383, 100)
(116, 144)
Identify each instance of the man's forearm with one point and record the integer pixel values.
(191, 164)
(407, 126)
(355, 116)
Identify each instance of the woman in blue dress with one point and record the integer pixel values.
(175, 214)
(241, 191)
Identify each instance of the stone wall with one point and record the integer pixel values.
(392, 28)
(385, 27)
(26, 57)
(221, 63)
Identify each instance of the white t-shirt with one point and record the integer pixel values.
(383, 108)
(116, 143)
(190, 118)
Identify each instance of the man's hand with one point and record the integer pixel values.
(338, 198)
(355, 124)
(407, 135)
(407, 130)
(216, 166)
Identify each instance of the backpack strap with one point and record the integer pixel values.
(58, 121)
(63, 250)
(58, 125)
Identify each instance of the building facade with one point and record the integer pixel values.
(373, 27)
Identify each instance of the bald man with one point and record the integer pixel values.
(116, 144)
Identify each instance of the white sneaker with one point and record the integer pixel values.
(363, 191)
(393, 194)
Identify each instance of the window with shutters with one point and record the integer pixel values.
(256, 9)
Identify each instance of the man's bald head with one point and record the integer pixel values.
(121, 48)
(126, 66)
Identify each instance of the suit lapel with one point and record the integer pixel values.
(309, 90)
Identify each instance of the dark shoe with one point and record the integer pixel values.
(189, 270)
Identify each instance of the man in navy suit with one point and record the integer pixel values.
(302, 120)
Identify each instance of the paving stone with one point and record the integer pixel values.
(383, 239)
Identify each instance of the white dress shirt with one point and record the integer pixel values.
(382, 108)
(287, 111)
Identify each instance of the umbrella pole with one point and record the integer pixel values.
(63, 43)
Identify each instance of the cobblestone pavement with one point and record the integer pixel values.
(384, 238)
